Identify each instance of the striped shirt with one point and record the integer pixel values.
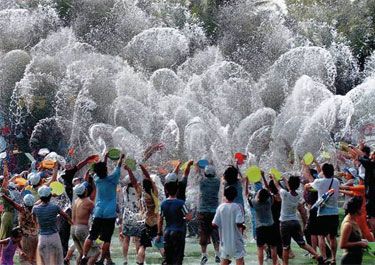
(46, 215)
(174, 211)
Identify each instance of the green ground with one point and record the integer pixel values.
(193, 255)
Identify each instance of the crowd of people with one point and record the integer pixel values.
(39, 222)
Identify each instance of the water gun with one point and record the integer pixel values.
(325, 197)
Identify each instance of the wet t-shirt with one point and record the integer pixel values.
(105, 205)
(46, 215)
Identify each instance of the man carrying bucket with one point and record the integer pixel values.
(105, 208)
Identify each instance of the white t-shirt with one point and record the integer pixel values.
(227, 216)
(331, 205)
(289, 204)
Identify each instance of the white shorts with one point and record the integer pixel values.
(238, 254)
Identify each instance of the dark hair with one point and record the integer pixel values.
(328, 170)
(230, 193)
(147, 186)
(100, 169)
(16, 232)
(263, 195)
(366, 149)
(171, 188)
(272, 187)
(46, 199)
(89, 190)
(313, 172)
(82, 196)
(354, 205)
(230, 175)
(294, 182)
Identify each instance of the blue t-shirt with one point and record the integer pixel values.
(209, 195)
(105, 205)
(174, 211)
(46, 215)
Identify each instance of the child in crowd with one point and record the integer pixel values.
(291, 199)
(10, 245)
(175, 213)
(229, 219)
(265, 231)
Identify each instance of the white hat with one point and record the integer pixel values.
(34, 178)
(43, 152)
(171, 177)
(79, 189)
(209, 170)
(29, 200)
(44, 191)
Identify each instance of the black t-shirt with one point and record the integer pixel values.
(68, 179)
(369, 185)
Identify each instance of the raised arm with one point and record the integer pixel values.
(152, 150)
(17, 206)
(54, 174)
(132, 178)
(177, 168)
(119, 162)
(6, 175)
(188, 167)
(84, 162)
(147, 176)
(306, 172)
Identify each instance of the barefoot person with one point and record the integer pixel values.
(82, 209)
(105, 208)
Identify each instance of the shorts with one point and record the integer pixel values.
(240, 253)
(132, 230)
(327, 225)
(102, 228)
(174, 246)
(266, 235)
(206, 230)
(79, 234)
(291, 229)
(148, 233)
(312, 223)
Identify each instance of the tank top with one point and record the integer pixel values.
(8, 253)
(355, 236)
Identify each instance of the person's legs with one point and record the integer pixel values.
(260, 255)
(125, 247)
(333, 245)
(322, 246)
(286, 256)
(141, 255)
(179, 247)
(240, 261)
(274, 255)
(225, 262)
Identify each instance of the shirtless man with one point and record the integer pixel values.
(82, 209)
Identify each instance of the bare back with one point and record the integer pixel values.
(82, 209)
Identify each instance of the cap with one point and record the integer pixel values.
(209, 170)
(34, 178)
(171, 177)
(352, 171)
(79, 189)
(44, 191)
(29, 200)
